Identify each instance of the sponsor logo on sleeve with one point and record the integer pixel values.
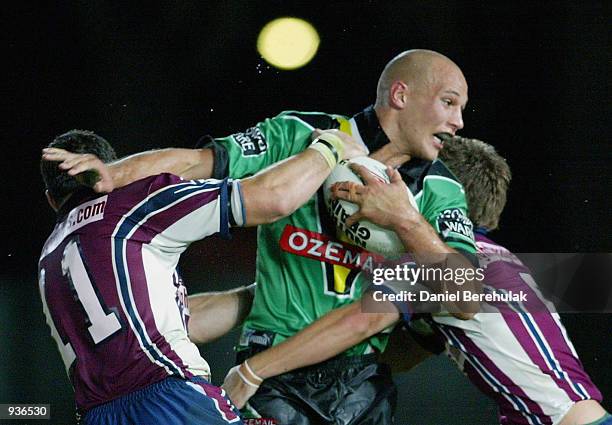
(252, 142)
(453, 222)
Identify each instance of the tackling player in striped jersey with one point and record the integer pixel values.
(108, 282)
(518, 353)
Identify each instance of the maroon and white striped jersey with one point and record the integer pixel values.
(517, 352)
(110, 291)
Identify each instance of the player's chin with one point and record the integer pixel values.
(430, 154)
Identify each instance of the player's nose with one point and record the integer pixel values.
(456, 120)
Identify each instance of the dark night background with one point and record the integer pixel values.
(156, 75)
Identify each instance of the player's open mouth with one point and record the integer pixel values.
(441, 138)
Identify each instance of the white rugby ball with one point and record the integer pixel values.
(364, 233)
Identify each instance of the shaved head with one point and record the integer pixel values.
(419, 102)
(417, 68)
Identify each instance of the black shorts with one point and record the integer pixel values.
(341, 391)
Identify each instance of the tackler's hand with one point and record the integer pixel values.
(86, 168)
(351, 147)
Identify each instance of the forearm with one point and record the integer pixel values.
(278, 191)
(213, 314)
(422, 241)
(186, 163)
(329, 336)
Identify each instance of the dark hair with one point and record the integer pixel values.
(58, 182)
(485, 175)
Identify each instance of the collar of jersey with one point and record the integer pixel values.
(374, 138)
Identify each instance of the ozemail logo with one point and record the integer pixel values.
(260, 421)
(320, 247)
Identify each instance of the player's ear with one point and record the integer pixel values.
(398, 94)
(51, 201)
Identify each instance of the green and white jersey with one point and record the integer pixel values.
(294, 290)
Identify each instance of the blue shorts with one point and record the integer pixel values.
(172, 401)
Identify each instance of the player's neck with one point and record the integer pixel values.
(70, 201)
(390, 154)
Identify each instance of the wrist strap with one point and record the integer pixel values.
(245, 380)
(335, 141)
(330, 146)
(253, 374)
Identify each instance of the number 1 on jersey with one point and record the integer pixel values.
(103, 324)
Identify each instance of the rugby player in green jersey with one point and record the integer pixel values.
(496, 350)
(419, 102)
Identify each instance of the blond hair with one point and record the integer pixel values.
(485, 175)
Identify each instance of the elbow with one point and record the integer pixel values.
(363, 325)
(193, 332)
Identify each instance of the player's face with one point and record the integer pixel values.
(436, 107)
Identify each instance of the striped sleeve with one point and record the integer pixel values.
(181, 212)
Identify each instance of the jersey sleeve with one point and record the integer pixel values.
(445, 208)
(274, 139)
(181, 212)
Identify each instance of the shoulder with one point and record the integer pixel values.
(439, 174)
(439, 168)
(420, 174)
(148, 184)
(488, 246)
(311, 119)
(144, 190)
(437, 178)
